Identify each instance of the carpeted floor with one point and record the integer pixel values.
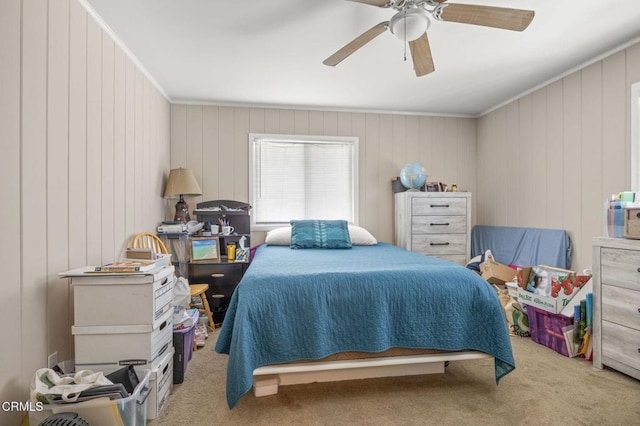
(545, 389)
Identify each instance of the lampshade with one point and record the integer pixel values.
(409, 24)
(181, 182)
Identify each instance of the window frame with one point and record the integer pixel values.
(635, 137)
(301, 138)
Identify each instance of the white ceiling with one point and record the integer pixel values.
(270, 52)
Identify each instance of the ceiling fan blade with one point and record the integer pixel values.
(421, 55)
(488, 16)
(379, 3)
(356, 44)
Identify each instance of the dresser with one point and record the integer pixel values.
(434, 223)
(616, 305)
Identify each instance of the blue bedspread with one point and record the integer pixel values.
(309, 304)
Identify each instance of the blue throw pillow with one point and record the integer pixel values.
(325, 234)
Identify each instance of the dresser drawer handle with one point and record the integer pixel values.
(439, 224)
(166, 280)
(439, 244)
(217, 275)
(440, 205)
(638, 215)
(638, 269)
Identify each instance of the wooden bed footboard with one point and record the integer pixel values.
(267, 379)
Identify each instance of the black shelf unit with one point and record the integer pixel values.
(222, 276)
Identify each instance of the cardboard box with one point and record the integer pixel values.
(119, 300)
(556, 305)
(632, 223)
(112, 347)
(523, 276)
(497, 273)
(160, 384)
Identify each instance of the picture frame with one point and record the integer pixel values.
(433, 186)
(204, 249)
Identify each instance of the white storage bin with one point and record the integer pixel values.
(122, 299)
(130, 411)
(108, 348)
(161, 383)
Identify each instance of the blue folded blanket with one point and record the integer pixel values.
(512, 245)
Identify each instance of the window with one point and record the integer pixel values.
(302, 177)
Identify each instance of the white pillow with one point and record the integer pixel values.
(361, 237)
(282, 236)
(279, 237)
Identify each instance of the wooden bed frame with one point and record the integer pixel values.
(267, 379)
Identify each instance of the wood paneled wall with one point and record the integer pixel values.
(85, 153)
(551, 158)
(213, 142)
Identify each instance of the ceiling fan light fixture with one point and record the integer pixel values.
(409, 24)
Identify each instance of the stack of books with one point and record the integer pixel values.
(577, 336)
(127, 266)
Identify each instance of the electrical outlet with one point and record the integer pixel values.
(52, 360)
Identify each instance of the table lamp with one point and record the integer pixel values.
(181, 182)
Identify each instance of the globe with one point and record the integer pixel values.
(413, 176)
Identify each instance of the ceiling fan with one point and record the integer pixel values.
(411, 21)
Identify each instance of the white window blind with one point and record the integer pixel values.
(302, 177)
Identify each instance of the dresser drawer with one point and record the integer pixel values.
(621, 305)
(621, 344)
(222, 278)
(620, 268)
(442, 206)
(439, 224)
(437, 244)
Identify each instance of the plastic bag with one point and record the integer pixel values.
(47, 384)
(181, 293)
(474, 264)
(185, 320)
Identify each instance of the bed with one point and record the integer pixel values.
(379, 305)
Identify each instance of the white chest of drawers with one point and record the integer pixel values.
(434, 223)
(616, 305)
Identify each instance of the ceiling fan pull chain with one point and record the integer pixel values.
(405, 35)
